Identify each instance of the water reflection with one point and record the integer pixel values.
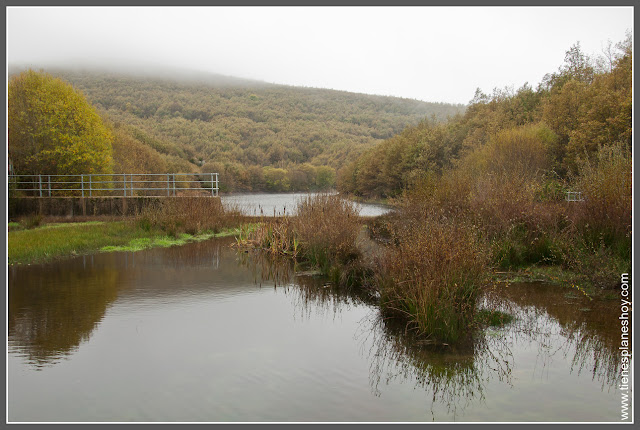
(565, 322)
(53, 308)
(206, 320)
(454, 376)
(561, 322)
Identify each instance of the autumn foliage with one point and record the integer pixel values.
(53, 129)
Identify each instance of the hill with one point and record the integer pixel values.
(259, 136)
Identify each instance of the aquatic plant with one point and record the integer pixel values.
(432, 274)
(188, 214)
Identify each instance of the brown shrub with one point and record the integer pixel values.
(433, 273)
(188, 214)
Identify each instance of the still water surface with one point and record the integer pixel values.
(285, 204)
(205, 333)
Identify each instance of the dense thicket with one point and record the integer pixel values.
(258, 136)
(500, 171)
(585, 105)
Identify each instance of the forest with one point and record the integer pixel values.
(258, 136)
(544, 132)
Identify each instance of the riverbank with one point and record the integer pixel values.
(55, 240)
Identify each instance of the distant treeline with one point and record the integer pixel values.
(258, 136)
(585, 105)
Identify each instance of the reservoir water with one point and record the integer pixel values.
(285, 204)
(207, 333)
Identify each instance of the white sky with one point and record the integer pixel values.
(439, 54)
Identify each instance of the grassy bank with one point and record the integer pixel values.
(173, 222)
(59, 240)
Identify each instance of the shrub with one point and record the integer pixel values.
(187, 215)
(606, 184)
(323, 232)
(433, 274)
(327, 226)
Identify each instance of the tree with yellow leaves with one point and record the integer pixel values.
(53, 129)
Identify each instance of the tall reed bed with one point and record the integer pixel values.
(433, 274)
(323, 232)
(327, 227)
(188, 214)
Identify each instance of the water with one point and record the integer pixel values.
(285, 204)
(203, 333)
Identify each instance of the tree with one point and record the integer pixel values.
(325, 177)
(53, 129)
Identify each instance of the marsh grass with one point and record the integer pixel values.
(432, 275)
(49, 242)
(326, 226)
(58, 240)
(188, 214)
(322, 233)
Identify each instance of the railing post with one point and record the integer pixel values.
(82, 182)
(168, 193)
(212, 195)
(90, 187)
(174, 185)
(124, 184)
(49, 181)
(40, 184)
(217, 185)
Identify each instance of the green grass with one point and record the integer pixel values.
(60, 240)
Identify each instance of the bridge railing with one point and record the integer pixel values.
(574, 196)
(114, 185)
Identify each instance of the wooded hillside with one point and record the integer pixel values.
(549, 131)
(258, 136)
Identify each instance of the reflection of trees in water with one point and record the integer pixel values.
(308, 290)
(54, 308)
(453, 376)
(563, 321)
(558, 320)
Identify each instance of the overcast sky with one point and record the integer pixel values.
(438, 54)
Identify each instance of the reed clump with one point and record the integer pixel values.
(323, 233)
(275, 237)
(326, 226)
(188, 214)
(433, 274)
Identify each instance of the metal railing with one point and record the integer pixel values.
(114, 185)
(574, 196)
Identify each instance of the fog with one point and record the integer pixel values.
(437, 54)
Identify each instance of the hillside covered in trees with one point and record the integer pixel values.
(258, 136)
(547, 131)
